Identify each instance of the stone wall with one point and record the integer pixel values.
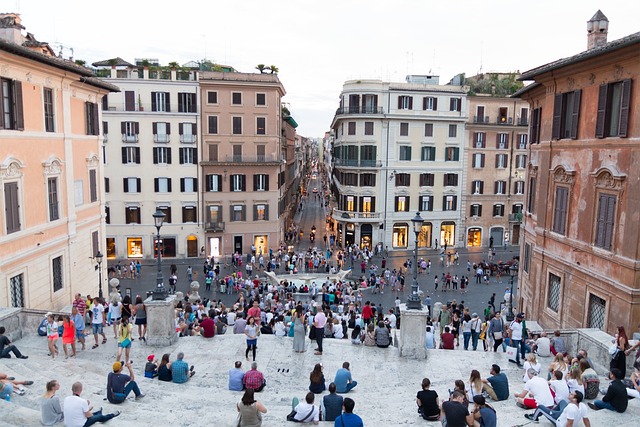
(20, 322)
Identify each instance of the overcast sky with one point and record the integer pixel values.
(317, 45)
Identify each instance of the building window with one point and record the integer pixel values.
(188, 185)
(236, 98)
(449, 203)
(130, 155)
(167, 213)
(402, 204)
(212, 127)
(566, 111)
(78, 192)
(214, 214)
(518, 187)
(161, 131)
(238, 182)
(527, 257)
(162, 185)
(427, 179)
(605, 221)
(160, 101)
(261, 99)
(532, 195)
(261, 212)
(368, 128)
(597, 312)
(502, 141)
(213, 183)
(475, 210)
(187, 102)
(478, 160)
(534, 127)
(131, 185)
(560, 210)
(452, 154)
(212, 97)
(134, 247)
(522, 141)
(52, 187)
(405, 152)
(477, 187)
(367, 180)
(351, 128)
(367, 204)
(106, 184)
(213, 152)
(368, 155)
(455, 104)
(188, 156)
(95, 242)
(403, 180)
(11, 114)
(479, 139)
(430, 103)
(553, 292)
(405, 102)
(56, 272)
(93, 185)
(428, 154)
(261, 182)
(107, 216)
(130, 131)
(614, 100)
(428, 129)
(189, 214)
(426, 203)
(49, 118)
(404, 129)
(236, 149)
(16, 291)
(12, 207)
(237, 125)
(501, 161)
(450, 179)
(238, 213)
(521, 161)
(400, 236)
(187, 132)
(453, 131)
(500, 187)
(498, 210)
(350, 203)
(261, 126)
(161, 155)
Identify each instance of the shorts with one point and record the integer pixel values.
(97, 328)
(530, 403)
(80, 334)
(52, 337)
(141, 321)
(124, 346)
(252, 342)
(116, 319)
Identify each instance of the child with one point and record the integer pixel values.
(151, 368)
(52, 336)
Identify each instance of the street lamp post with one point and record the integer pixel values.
(160, 292)
(99, 259)
(413, 301)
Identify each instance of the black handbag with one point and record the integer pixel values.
(312, 332)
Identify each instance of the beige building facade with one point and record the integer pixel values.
(51, 174)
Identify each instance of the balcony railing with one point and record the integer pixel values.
(188, 139)
(359, 163)
(158, 137)
(481, 119)
(356, 109)
(214, 226)
(523, 122)
(267, 158)
(501, 120)
(515, 217)
(337, 214)
(129, 138)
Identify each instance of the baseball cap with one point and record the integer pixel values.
(151, 357)
(474, 315)
(117, 366)
(520, 316)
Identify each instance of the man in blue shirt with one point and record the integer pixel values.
(180, 370)
(348, 418)
(236, 375)
(120, 385)
(332, 404)
(343, 379)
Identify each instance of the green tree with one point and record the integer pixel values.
(261, 68)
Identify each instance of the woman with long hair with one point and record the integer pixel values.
(164, 369)
(52, 335)
(558, 364)
(316, 378)
(251, 331)
(50, 409)
(619, 357)
(574, 380)
(370, 336)
(124, 339)
(531, 362)
(475, 384)
(140, 311)
(250, 410)
(356, 335)
(299, 331)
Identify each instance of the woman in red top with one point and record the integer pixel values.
(68, 336)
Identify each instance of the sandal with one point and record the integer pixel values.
(104, 341)
(94, 346)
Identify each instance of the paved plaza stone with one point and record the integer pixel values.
(385, 395)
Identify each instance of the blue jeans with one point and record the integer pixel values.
(98, 417)
(550, 414)
(10, 349)
(467, 338)
(518, 344)
(604, 405)
(131, 386)
(474, 339)
(350, 386)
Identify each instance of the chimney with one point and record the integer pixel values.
(11, 28)
(597, 28)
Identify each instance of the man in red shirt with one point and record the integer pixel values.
(254, 311)
(367, 313)
(446, 339)
(80, 304)
(254, 378)
(207, 327)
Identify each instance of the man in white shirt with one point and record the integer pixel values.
(98, 320)
(559, 387)
(307, 412)
(538, 390)
(516, 338)
(572, 414)
(77, 411)
(543, 345)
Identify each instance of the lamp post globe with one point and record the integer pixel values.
(160, 292)
(413, 301)
(98, 257)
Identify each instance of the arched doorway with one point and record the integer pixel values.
(474, 236)
(350, 234)
(192, 246)
(366, 233)
(498, 235)
(399, 237)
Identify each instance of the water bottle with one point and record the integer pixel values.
(7, 398)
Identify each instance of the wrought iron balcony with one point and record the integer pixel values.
(129, 138)
(348, 215)
(161, 137)
(515, 217)
(481, 119)
(267, 158)
(359, 163)
(214, 226)
(523, 122)
(357, 109)
(502, 120)
(188, 139)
